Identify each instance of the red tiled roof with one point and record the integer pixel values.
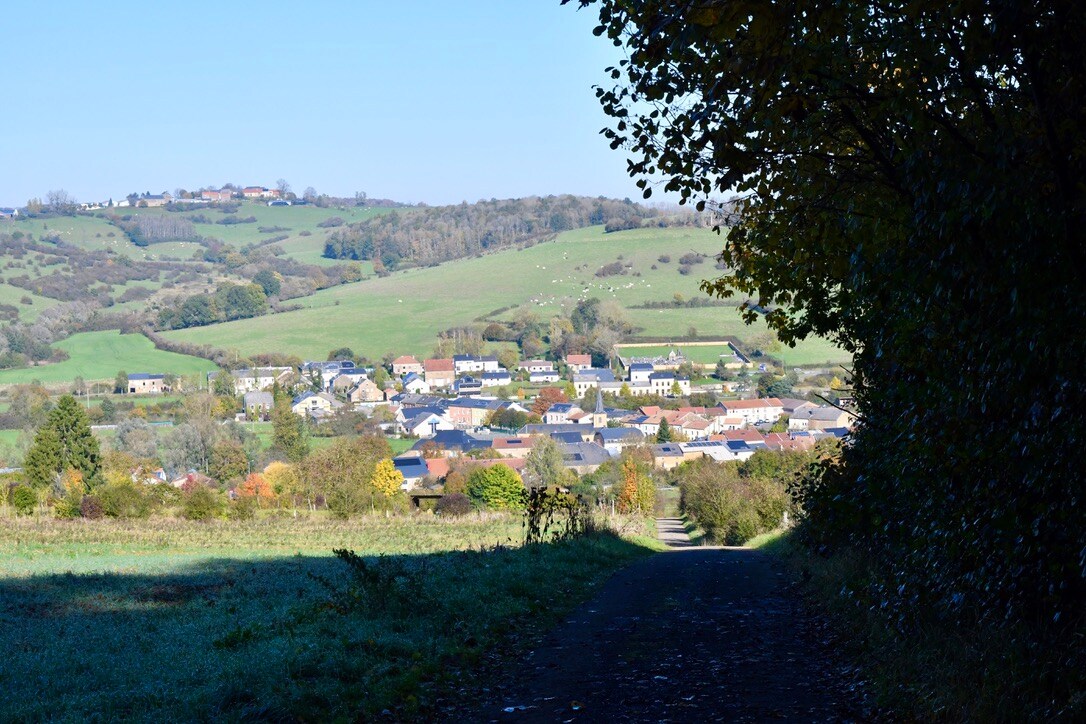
(438, 365)
(405, 360)
(750, 404)
(578, 359)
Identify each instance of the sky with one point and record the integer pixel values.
(419, 101)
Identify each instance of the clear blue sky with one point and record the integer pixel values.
(432, 101)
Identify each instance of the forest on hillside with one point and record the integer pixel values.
(432, 235)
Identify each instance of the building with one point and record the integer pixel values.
(470, 412)
(755, 412)
(667, 456)
(6, 212)
(513, 447)
(439, 373)
(667, 383)
(466, 363)
(559, 413)
(452, 442)
(365, 391)
(217, 194)
(315, 404)
(717, 450)
(413, 468)
(640, 372)
(616, 439)
(579, 362)
(259, 192)
(588, 379)
(583, 457)
(496, 379)
(258, 405)
(543, 377)
(537, 365)
(143, 383)
(468, 386)
(258, 378)
(423, 422)
(820, 418)
(415, 385)
(406, 365)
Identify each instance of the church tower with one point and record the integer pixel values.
(599, 417)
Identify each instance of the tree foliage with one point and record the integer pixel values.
(496, 487)
(910, 185)
(64, 442)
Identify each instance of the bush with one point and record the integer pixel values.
(124, 500)
(243, 508)
(201, 503)
(23, 499)
(91, 507)
(454, 505)
(730, 506)
(496, 487)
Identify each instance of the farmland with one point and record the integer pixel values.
(100, 355)
(169, 620)
(404, 312)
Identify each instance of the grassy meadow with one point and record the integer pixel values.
(100, 355)
(405, 311)
(171, 620)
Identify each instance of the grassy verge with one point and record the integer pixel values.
(171, 620)
(932, 670)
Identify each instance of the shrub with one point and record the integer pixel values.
(730, 506)
(454, 505)
(23, 499)
(124, 500)
(243, 508)
(91, 507)
(496, 487)
(201, 503)
(664, 259)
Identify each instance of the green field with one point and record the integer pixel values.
(404, 312)
(707, 355)
(100, 355)
(165, 620)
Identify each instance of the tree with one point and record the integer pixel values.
(222, 384)
(120, 383)
(544, 466)
(269, 281)
(663, 434)
(638, 494)
(342, 473)
(548, 396)
(109, 410)
(496, 487)
(908, 179)
(341, 354)
(61, 202)
(228, 461)
(136, 438)
(283, 187)
(310, 194)
(283, 480)
(256, 487)
(289, 433)
(64, 442)
(386, 479)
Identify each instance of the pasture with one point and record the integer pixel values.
(170, 620)
(100, 355)
(706, 354)
(404, 312)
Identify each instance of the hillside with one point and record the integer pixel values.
(405, 311)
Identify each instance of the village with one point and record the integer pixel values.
(453, 408)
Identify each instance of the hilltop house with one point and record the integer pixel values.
(259, 192)
(143, 383)
(465, 363)
(217, 194)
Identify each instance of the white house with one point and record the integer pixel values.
(755, 412)
(415, 385)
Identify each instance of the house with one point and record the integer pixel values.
(616, 439)
(537, 365)
(413, 468)
(559, 413)
(258, 404)
(465, 363)
(142, 383)
(640, 371)
(153, 200)
(543, 378)
(342, 384)
(584, 432)
(217, 194)
(782, 441)
(583, 457)
(468, 386)
(406, 365)
(755, 412)
(259, 192)
(191, 479)
(717, 450)
(749, 435)
(791, 405)
(667, 456)
(416, 385)
(452, 442)
(585, 380)
(467, 412)
(315, 404)
(365, 391)
(579, 362)
(424, 422)
(513, 447)
(258, 378)
(496, 379)
(6, 212)
(439, 373)
(328, 371)
(666, 383)
(820, 418)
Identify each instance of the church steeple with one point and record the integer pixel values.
(599, 417)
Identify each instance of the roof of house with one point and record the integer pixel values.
(474, 358)
(583, 453)
(619, 434)
(822, 414)
(667, 450)
(411, 467)
(751, 404)
(144, 376)
(641, 366)
(594, 375)
(438, 365)
(258, 398)
(567, 437)
(536, 363)
(561, 408)
(578, 359)
(405, 360)
(411, 377)
(539, 428)
(514, 443)
(746, 435)
(453, 440)
(501, 375)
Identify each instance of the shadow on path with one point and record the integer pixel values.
(672, 532)
(695, 634)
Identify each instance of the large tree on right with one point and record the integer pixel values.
(911, 181)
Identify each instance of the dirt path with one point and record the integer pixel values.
(693, 634)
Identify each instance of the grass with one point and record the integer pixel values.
(168, 620)
(100, 355)
(697, 354)
(404, 312)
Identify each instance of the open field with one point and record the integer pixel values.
(700, 354)
(169, 620)
(100, 355)
(404, 312)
